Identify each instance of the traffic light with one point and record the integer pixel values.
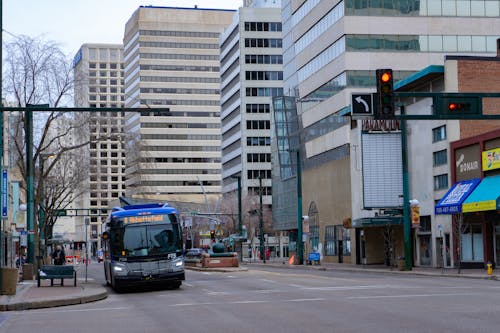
(457, 105)
(212, 235)
(385, 92)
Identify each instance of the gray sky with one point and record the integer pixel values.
(74, 22)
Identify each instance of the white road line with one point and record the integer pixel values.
(268, 281)
(412, 295)
(306, 300)
(348, 287)
(251, 302)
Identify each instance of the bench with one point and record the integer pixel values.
(52, 272)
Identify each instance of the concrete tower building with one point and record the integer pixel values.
(172, 63)
(252, 73)
(99, 84)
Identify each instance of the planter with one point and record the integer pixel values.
(10, 277)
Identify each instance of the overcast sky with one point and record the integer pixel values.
(72, 23)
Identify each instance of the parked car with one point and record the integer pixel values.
(194, 253)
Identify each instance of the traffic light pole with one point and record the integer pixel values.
(406, 197)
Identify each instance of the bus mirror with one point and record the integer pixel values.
(105, 235)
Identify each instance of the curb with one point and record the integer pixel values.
(55, 302)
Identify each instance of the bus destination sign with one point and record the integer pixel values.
(146, 219)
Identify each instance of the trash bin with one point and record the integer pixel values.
(10, 277)
(401, 264)
(27, 271)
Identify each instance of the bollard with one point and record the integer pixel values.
(489, 269)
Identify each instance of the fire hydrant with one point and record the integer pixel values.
(489, 268)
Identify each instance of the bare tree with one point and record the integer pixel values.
(37, 72)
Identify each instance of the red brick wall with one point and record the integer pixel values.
(480, 76)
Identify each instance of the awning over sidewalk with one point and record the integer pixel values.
(451, 202)
(378, 221)
(485, 197)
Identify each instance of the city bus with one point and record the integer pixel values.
(143, 246)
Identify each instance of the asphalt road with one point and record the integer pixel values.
(280, 300)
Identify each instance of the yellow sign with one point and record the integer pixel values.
(415, 216)
(144, 219)
(491, 159)
(479, 206)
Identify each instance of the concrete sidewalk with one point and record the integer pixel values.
(29, 296)
(427, 271)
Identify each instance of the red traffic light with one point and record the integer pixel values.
(453, 106)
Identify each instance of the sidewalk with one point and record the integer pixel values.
(427, 271)
(29, 296)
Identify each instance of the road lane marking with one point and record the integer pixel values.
(413, 295)
(251, 302)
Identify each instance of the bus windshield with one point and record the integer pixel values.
(145, 240)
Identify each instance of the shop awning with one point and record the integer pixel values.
(486, 196)
(378, 221)
(451, 202)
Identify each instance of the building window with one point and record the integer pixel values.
(330, 248)
(440, 182)
(440, 157)
(439, 134)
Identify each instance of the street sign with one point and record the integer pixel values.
(60, 212)
(361, 105)
(5, 194)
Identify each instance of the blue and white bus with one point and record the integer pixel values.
(142, 246)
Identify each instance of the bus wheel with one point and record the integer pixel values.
(175, 285)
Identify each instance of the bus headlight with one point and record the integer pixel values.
(179, 263)
(117, 268)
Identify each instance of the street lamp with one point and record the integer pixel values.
(87, 222)
(240, 222)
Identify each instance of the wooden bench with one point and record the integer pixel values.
(52, 272)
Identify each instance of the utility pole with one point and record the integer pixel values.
(261, 222)
(30, 212)
(300, 246)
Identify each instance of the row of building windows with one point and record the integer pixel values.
(320, 27)
(263, 26)
(103, 65)
(183, 160)
(303, 10)
(180, 171)
(104, 90)
(105, 154)
(110, 82)
(105, 114)
(258, 108)
(256, 174)
(416, 43)
(322, 59)
(178, 125)
(180, 91)
(164, 113)
(263, 42)
(103, 162)
(106, 73)
(180, 137)
(108, 178)
(258, 124)
(181, 148)
(180, 79)
(200, 34)
(179, 56)
(264, 75)
(462, 8)
(196, 183)
(111, 98)
(440, 157)
(274, 92)
(259, 158)
(173, 45)
(258, 141)
(263, 59)
(264, 190)
(179, 68)
(94, 170)
(178, 102)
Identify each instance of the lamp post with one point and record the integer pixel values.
(261, 223)
(87, 222)
(240, 222)
(300, 245)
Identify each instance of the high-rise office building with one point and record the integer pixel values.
(330, 50)
(251, 74)
(99, 84)
(172, 63)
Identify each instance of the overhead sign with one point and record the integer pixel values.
(361, 105)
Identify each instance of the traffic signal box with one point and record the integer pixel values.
(385, 94)
(457, 105)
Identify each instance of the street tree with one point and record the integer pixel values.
(36, 72)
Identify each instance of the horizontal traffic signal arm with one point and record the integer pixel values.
(465, 104)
